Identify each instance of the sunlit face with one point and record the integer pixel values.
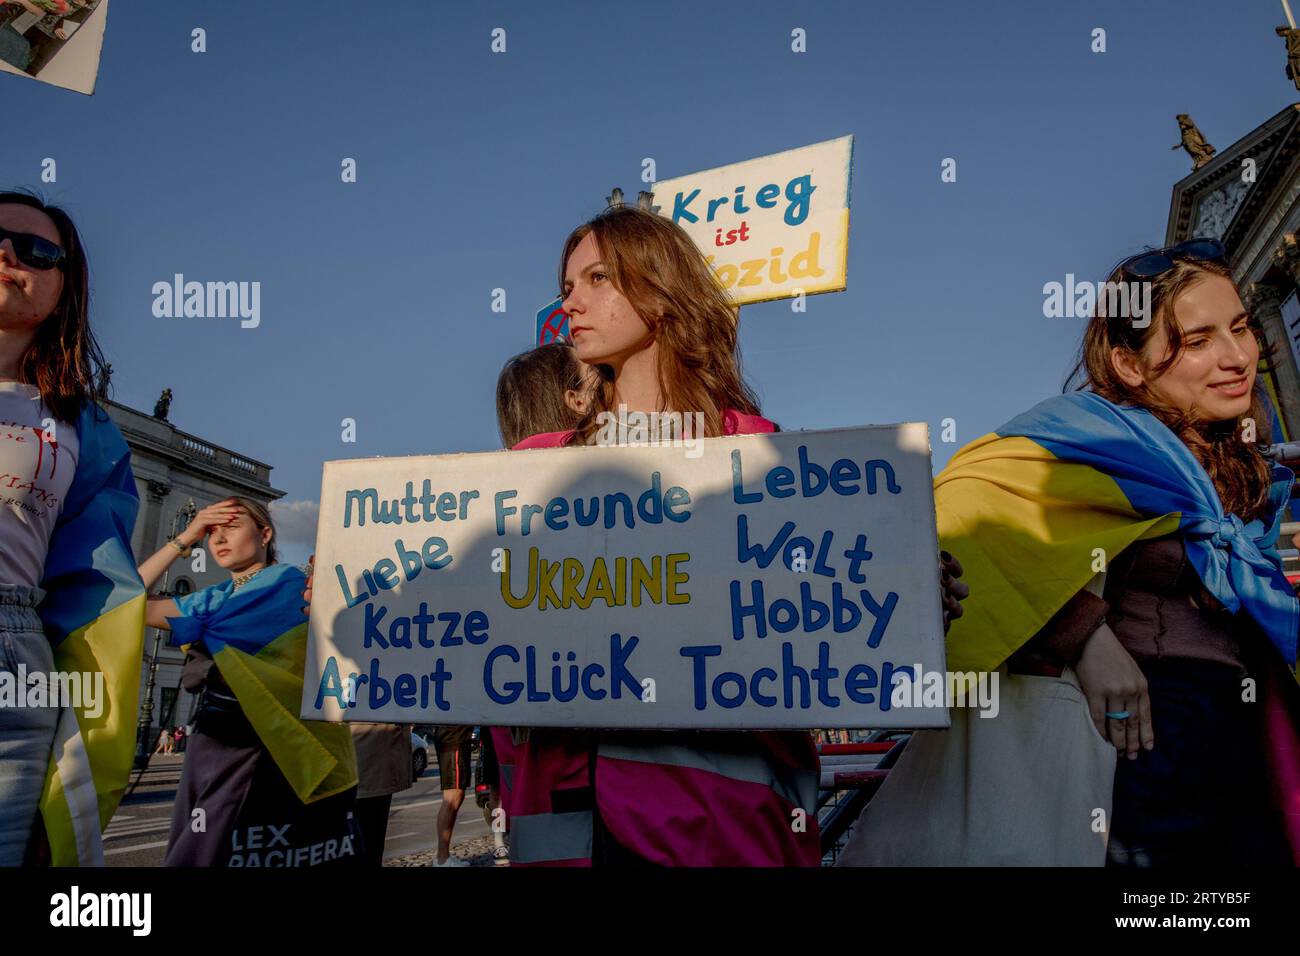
(1215, 373)
(27, 295)
(238, 544)
(604, 327)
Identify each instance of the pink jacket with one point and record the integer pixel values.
(678, 798)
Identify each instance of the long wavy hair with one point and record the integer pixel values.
(1241, 475)
(662, 273)
(530, 392)
(64, 361)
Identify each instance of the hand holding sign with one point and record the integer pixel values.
(773, 581)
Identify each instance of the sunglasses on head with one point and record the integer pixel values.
(1146, 265)
(34, 251)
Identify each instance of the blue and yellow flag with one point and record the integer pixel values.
(93, 612)
(257, 637)
(1033, 509)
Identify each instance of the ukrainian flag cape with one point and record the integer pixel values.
(257, 637)
(1033, 509)
(93, 612)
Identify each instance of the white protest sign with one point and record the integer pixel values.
(759, 581)
(770, 227)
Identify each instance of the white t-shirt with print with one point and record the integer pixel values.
(36, 469)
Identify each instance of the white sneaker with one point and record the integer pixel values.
(451, 861)
(501, 856)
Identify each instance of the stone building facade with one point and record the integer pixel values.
(175, 470)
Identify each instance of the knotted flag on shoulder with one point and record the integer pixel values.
(1029, 510)
(257, 636)
(93, 612)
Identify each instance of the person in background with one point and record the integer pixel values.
(453, 746)
(545, 389)
(487, 794)
(383, 769)
(253, 763)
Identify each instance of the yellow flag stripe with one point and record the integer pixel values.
(96, 751)
(1030, 531)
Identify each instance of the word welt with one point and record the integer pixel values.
(208, 300)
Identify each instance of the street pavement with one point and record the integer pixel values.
(137, 834)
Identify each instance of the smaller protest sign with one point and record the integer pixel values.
(771, 227)
(54, 41)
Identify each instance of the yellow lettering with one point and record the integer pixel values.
(676, 577)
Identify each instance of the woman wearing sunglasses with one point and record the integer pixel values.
(70, 599)
(1127, 531)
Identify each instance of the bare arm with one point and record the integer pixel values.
(159, 609)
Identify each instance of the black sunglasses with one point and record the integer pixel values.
(34, 251)
(1146, 265)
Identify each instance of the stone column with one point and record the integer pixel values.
(1264, 300)
(158, 492)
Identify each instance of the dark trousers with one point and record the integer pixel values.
(1201, 796)
(372, 816)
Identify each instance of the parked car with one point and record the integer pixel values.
(419, 756)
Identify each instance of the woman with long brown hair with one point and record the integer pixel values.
(1121, 544)
(646, 311)
(70, 599)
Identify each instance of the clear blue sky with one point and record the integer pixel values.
(473, 166)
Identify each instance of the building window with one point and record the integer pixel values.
(166, 717)
(183, 586)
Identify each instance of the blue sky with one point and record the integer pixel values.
(474, 166)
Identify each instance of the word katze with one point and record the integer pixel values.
(103, 909)
(652, 429)
(1124, 300)
(82, 690)
(215, 300)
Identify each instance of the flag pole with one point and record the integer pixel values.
(1286, 8)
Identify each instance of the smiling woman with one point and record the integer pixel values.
(1136, 522)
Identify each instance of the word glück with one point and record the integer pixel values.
(1077, 300)
(58, 689)
(211, 300)
(946, 689)
(653, 429)
(75, 908)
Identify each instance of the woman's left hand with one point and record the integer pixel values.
(953, 591)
